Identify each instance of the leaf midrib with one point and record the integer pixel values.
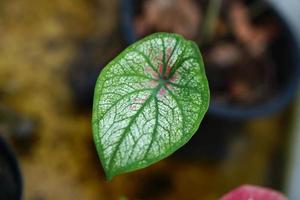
(154, 130)
(126, 130)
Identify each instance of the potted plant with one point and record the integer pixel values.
(249, 49)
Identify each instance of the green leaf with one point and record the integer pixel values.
(149, 101)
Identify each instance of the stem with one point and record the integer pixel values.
(209, 24)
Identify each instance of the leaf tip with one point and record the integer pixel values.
(109, 176)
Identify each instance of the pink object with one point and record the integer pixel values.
(249, 192)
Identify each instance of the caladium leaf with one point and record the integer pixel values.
(148, 102)
(249, 192)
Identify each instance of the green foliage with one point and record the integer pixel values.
(149, 101)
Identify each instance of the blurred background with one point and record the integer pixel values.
(51, 53)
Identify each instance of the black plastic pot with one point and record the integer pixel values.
(286, 54)
(10, 176)
(210, 142)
